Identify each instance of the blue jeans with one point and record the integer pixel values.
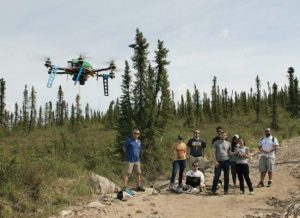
(181, 165)
(225, 166)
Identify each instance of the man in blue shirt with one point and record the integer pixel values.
(132, 149)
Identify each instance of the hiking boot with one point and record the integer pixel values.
(242, 192)
(140, 189)
(260, 184)
(269, 184)
(226, 193)
(252, 193)
(171, 186)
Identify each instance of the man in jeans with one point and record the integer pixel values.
(132, 149)
(196, 150)
(267, 146)
(220, 157)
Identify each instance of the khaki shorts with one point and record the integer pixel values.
(266, 164)
(135, 165)
(200, 161)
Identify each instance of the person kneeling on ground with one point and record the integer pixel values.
(195, 179)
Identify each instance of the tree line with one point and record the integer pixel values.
(148, 103)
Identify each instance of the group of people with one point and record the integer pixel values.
(226, 156)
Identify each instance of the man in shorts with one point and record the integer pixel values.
(132, 149)
(196, 150)
(267, 146)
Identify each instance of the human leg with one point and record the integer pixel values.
(247, 177)
(182, 164)
(174, 170)
(226, 167)
(239, 170)
(218, 170)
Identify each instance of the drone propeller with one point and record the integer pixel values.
(48, 62)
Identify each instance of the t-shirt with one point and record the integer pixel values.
(215, 139)
(196, 147)
(222, 149)
(179, 149)
(195, 178)
(133, 148)
(239, 159)
(268, 143)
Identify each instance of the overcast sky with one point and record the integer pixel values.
(235, 40)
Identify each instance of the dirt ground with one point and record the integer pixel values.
(267, 202)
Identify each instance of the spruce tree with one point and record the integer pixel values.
(25, 107)
(2, 101)
(190, 120)
(274, 123)
(258, 100)
(162, 86)
(197, 106)
(125, 120)
(291, 90)
(214, 102)
(40, 118)
(140, 63)
(32, 119)
(78, 110)
(16, 115)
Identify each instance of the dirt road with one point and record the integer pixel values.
(267, 202)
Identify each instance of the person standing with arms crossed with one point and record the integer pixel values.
(196, 150)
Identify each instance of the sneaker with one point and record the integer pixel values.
(226, 193)
(242, 192)
(269, 184)
(252, 193)
(179, 190)
(260, 184)
(140, 189)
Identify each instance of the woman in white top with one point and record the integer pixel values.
(242, 167)
(195, 178)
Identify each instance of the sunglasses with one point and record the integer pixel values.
(197, 132)
(136, 133)
(195, 165)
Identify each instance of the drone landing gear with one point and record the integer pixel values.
(51, 76)
(105, 84)
(78, 75)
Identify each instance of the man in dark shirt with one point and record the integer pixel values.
(196, 150)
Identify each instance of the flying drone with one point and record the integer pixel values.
(80, 70)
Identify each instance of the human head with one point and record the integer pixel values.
(197, 133)
(219, 130)
(235, 139)
(195, 166)
(241, 141)
(223, 135)
(136, 133)
(267, 132)
(179, 137)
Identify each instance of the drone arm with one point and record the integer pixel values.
(102, 69)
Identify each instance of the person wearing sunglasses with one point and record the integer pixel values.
(132, 149)
(196, 150)
(195, 179)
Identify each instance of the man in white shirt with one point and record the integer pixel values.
(267, 146)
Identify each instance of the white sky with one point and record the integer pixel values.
(234, 40)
